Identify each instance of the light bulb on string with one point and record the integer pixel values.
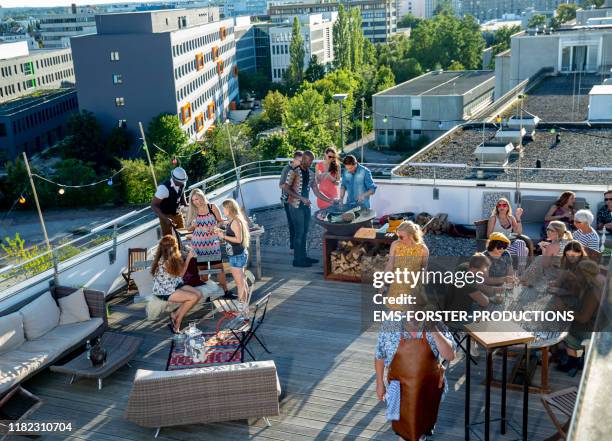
(61, 190)
(385, 119)
(22, 199)
(110, 181)
(174, 161)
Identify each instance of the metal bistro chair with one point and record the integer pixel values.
(134, 255)
(245, 330)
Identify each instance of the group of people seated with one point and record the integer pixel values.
(561, 224)
(175, 271)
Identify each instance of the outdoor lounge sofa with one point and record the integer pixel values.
(23, 352)
(204, 395)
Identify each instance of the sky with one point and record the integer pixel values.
(51, 3)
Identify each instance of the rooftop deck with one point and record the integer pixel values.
(324, 362)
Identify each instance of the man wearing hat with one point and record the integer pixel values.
(169, 197)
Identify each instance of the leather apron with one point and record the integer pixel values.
(421, 379)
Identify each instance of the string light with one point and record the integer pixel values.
(61, 190)
(385, 119)
(110, 182)
(174, 161)
(63, 187)
(22, 199)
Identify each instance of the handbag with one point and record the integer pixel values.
(392, 397)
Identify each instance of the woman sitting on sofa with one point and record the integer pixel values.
(168, 270)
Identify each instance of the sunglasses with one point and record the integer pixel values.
(331, 156)
(502, 205)
(607, 199)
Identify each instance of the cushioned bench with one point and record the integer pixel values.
(534, 210)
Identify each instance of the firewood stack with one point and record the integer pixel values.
(437, 224)
(352, 259)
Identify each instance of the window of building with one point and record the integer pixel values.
(119, 101)
(3, 132)
(416, 132)
(416, 112)
(117, 79)
(182, 22)
(114, 55)
(122, 123)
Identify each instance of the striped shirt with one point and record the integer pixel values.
(296, 183)
(589, 240)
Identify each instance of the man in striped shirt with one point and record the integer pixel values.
(585, 234)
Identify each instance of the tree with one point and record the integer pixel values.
(295, 72)
(274, 107)
(241, 142)
(408, 21)
(198, 161)
(455, 65)
(384, 79)
(256, 84)
(342, 40)
(84, 140)
(369, 53)
(136, 183)
(406, 69)
(586, 4)
(315, 70)
(165, 132)
(357, 39)
(537, 21)
(275, 146)
(76, 172)
(119, 141)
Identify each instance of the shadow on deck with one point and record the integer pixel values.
(324, 361)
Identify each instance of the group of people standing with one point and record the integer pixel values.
(209, 228)
(329, 183)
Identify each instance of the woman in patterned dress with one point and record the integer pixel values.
(168, 270)
(202, 219)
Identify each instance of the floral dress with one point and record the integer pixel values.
(164, 283)
(204, 240)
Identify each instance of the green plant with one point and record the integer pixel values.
(37, 260)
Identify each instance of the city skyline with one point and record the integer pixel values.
(58, 3)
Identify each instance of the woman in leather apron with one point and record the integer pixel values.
(414, 357)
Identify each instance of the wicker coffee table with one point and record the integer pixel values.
(120, 350)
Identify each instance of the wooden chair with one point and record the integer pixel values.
(134, 255)
(563, 402)
(481, 234)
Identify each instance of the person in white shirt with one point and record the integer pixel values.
(585, 234)
(169, 197)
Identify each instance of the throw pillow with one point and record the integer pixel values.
(11, 332)
(73, 308)
(144, 282)
(40, 316)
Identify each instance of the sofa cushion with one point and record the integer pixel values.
(16, 365)
(73, 308)
(40, 316)
(144, 282)
(11, 332)
(62, 337)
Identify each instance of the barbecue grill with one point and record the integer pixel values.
(331, 219)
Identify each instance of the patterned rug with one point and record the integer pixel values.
(219, 350)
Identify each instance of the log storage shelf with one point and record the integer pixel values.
(345, 257)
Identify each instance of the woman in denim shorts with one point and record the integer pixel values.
(237, 238)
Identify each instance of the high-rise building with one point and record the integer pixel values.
(484, 10)
(318, 41)
(141, 64)
(379, 17)
(23, 71)
(262, 48)
(412, 7)
(234, 8)
(431, 6)
(244, 33)
(57, 29)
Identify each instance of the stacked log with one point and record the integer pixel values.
(437, 224)
(352, 259)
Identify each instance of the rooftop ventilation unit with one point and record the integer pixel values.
(493, 153)
(528, 122)
(510, 135)
(600, 103)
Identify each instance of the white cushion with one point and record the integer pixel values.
(144, 282)
(11, 332)
(210, 289)
(40, 316)
(73, 308)
(17, 365)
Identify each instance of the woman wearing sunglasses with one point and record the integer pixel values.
(328, 177)
(502, 221)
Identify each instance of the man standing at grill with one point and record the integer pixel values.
(168, 198)
(357, 183)
(299, 182)
(297, 159)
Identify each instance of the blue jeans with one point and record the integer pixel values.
(290, 224)
(300, 218)
(240, 260)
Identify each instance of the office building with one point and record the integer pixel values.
(412, 7)
(244, 33)
(317, 32)
(262, 48)
(430, 105)
(567, 50)
(141, 64)
(251, 8)
(431, 6)
(379, 17)
(31, 123)
(485, 10)
(23, 71)
(57, 29)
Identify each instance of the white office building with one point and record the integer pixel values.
(141, 64)
(57, 29)
(317, 32)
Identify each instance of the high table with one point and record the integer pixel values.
(489, 337)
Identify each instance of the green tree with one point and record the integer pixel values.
(198, 160)
(406, 69)
(84, 140)
(119, 141)
(274, 106)
(455, 65)
(76, 172)
(501, 41)
(537, 21)
(166, 133)
(254, 85)
(275, 146)
(295, 72)
(136, 183)
(408, 21)
(586, 4)
(241, 142)
(342, 40)
(369, 53)
(384, 79)
(315, 70)
(566, 12)
(357, 38)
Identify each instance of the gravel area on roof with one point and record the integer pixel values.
(578, 148)
(277, 235)
(560, 98)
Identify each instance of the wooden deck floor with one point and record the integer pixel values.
(324, 362)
